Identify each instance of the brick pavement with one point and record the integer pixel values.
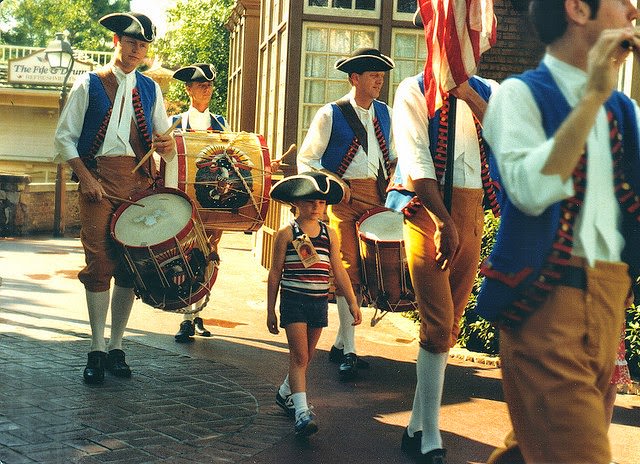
(177, 409)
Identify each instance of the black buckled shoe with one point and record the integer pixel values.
(349, 367)
(436, 456)
(412, 445)
(336, 355)
(116, 364)
(94, 371)
(186, 332)
(199, 328)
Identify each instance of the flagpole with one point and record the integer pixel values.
(451, 152)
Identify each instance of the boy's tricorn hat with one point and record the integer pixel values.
(312, 185)
(365, 59)
(131, 24)
(197, 72)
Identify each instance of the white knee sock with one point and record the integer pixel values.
(300, 403)
(425, 413)
(121, 303)
(98, 306)
(285, 388)
(347, 332)
(188, 317)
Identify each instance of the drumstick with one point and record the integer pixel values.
(123, 200)
(152, 149)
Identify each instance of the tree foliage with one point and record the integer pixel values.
(197, 35)
(35, 22)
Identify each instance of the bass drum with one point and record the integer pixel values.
(227, 174)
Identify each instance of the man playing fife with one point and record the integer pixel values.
(559, 274)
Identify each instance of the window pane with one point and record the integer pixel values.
(340, 41)
(336, 90)
(307, 115)
(317, 40)
(422, 48)
(362, 39)
(342, 4)
(407, 6)
(366, 5)
(316, 66)
(333, 72)
(405, 69)
(318, 2)
(405, 46)
(314, 92)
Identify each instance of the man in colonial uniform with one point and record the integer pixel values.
(198, 81)
(442, 244)
(351, 138)
(112, 118)
(557, 279)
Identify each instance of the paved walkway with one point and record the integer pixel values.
(212, 401)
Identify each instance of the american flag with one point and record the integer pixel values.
(457, 32)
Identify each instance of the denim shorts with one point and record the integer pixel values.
(300, 308)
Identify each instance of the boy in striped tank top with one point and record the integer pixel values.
(304, 252)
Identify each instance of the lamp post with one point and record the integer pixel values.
(59, 54)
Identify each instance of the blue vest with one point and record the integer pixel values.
(218, 122)
(342, 135)
(99, 104)
(523, 242)
(397, 198)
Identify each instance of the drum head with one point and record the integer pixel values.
(383, 226)
(164, 215)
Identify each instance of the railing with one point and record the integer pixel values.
(12, 52)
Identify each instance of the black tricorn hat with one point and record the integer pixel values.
(417, 19)
(365, 59)
(312, 185)
(131, 24)
(197, 72)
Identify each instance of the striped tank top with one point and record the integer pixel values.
(312, 281)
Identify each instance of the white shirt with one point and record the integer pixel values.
(513, 128)
(315, 144)
(411, 134)
(197, 120)
(116, 143)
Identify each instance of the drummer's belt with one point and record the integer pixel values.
(440, 163)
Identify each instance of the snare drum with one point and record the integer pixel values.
(227, 174)
(166, 249)
(384, 261)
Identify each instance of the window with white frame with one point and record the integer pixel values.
(409, 51)
(322, 45)
(360, 8)
(403, 10)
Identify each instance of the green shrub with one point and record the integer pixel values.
(632, 337)
(476, 334)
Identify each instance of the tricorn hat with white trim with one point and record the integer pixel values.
(197, 72)
(365, 59)
(417, 19)
(312, 185)
(131, 24)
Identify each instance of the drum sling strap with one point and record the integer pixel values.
(138, 136)
(362, 139)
